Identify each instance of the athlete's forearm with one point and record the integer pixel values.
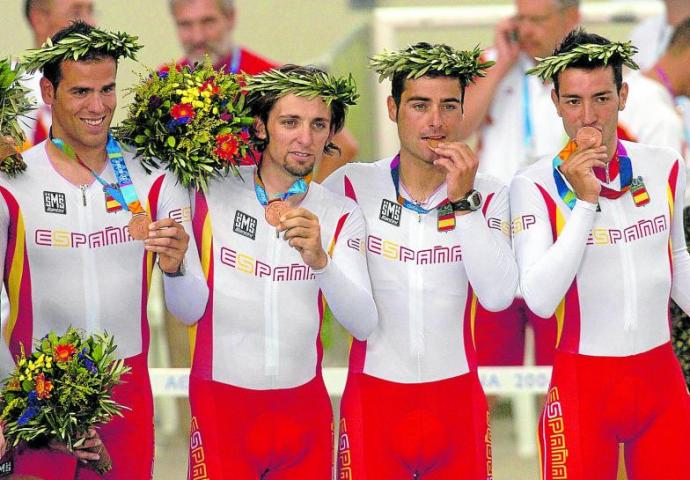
(349, 298)
(546, 275)
(489, 261)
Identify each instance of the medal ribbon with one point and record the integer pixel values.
(395, 174)
(300, 186)
(446, 214)
(125, 193)
(620, 159)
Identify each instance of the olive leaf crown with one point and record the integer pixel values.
(623, 52)
(423, 58)
(77, 45)
(310, 85)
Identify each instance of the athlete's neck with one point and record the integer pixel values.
(421, 179)
(276, 179)
(71, 169)
(612, 148)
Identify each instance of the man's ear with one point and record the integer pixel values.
(47, 91)
(260, 128)
(392, 109)
(554, 99)
(623, 96)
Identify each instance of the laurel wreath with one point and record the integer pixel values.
(423, 58)
(77, 45)
(551, 66)
(316, 84)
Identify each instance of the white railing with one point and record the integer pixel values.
(174, 382)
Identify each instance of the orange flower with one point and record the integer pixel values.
(64, 353)
(43, 386)
(226, 146)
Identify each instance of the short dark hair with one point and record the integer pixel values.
(579, 37)
(52, 71)
(261, 106)
(398, 81)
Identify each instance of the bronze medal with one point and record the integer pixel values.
(433, 143)
(274, 210)
(588, 137)
(139, 226)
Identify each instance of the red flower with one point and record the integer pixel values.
(226, 146)
(182, 111)
(63, 353)
(244, 135)
(210, 85)
(43, 386)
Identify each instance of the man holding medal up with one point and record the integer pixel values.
(275, 248)
(438, 242)
(71, 249)
(598, 236)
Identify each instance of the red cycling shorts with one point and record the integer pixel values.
(595, 403)
(426, 431)
(500, 336)
(129, 439)
(240, 434)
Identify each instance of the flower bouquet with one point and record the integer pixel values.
(61, 391)
(14, 103)
(192, 120)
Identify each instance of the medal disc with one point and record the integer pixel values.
(587, 137)
(433, 143)
(139, 226)
(275, 210)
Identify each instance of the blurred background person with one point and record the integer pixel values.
(652, 35)
(654, 115)
(46, 18)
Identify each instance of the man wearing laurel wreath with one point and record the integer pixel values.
(276, 248)
(598, 236)
(438, 242)
(80, 230)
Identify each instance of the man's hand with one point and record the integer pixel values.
(303, 233)
(82, 452)
(460, 164)
(578, 171)
(169, 240)
(507, 47)
(7, 147)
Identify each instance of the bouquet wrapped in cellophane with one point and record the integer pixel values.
(62, 390)
(191, 120)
